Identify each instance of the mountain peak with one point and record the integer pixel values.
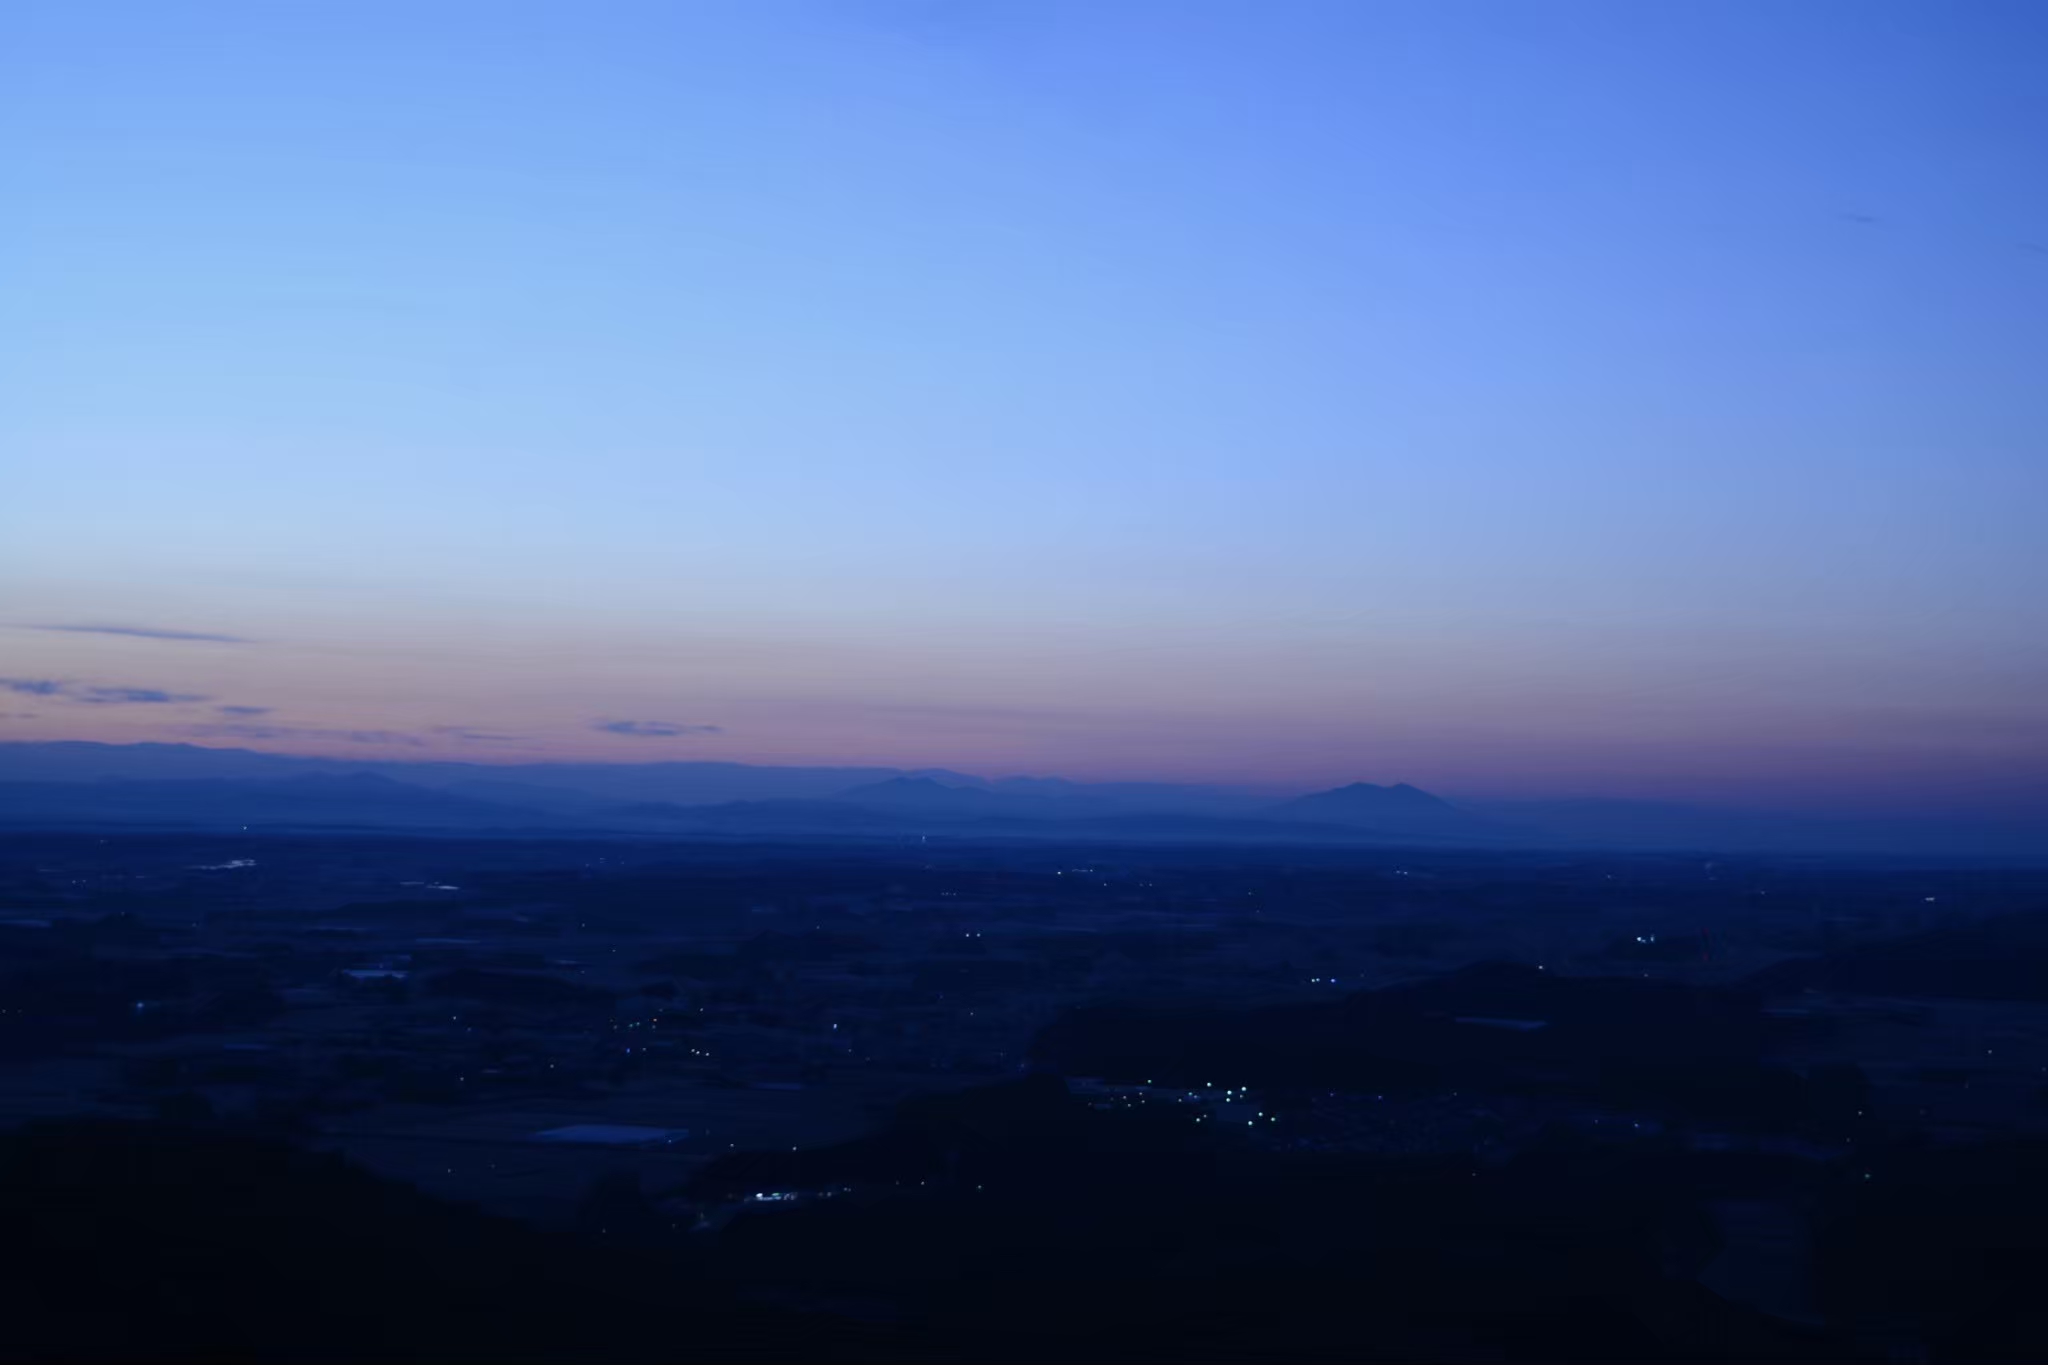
(946, 777)
(1400, 808)
(1369, 791)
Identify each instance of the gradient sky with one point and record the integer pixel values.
(1514, 399)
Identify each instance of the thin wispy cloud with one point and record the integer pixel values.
(379, 737)
(238, 731)
(148, 633)
(652, 729)
(133, 696)
(469, 736)
(99, 696)
(246, 731)
(245, 710)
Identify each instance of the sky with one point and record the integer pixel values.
(1516, 399)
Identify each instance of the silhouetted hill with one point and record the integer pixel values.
(158, 1242)
(1399, 809)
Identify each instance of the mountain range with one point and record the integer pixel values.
(76, 784)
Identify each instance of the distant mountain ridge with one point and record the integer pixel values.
(360, 800)
(588, 790)
(917, 793)
(77, 784)
(699, 782)
(187, 786)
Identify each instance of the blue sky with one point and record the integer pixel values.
(1511, 398)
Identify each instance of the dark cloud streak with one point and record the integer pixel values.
(133, 696)
(235, 731)
(149, 633)
(99, 696)
(652, 729)
(464, 733)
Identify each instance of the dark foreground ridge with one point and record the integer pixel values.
(1039, 1229)
(161, 1241)
(1019, 1222)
